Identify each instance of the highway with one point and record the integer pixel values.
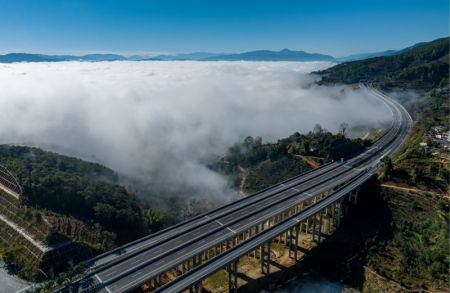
(127, 267)
(207, 269)
(203, 271)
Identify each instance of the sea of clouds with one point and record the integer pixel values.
(158, 122)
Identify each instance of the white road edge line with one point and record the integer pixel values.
(100, 280)
(132, 283)
(231, 230)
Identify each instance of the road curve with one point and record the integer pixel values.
(129, 266)
(203, 271)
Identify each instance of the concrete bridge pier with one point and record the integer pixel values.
(197, 288)
(158, 280)
(297, 237)
(354, 196)
(314, 228)
(233, 276)
(320, 226)
(340, 212)
(217, 248)
(265, 258)
(333, 215)
(293, 241)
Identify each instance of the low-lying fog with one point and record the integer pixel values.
(158, 121)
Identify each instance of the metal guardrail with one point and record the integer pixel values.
(385, 140)
(203, 271)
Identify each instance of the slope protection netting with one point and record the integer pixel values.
(10, 181)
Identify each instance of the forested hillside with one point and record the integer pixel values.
(422, 67)
(73, 187)
(254, 165)
(413, 252)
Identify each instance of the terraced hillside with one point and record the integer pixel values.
(67, 209)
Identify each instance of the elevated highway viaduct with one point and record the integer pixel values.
(193, 250)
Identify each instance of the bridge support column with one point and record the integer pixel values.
(297, 237)
(293, 241)
(339, 215)
(320, 226)
(333, 215)
(354, 196)
(265, 258)
(314, 228)
(197, 288)
(196, 261)
(233, 276)
(289, 241)
(217, 250)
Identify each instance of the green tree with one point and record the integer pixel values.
(343, 128)
(155, 220)
(387, 167)
(417, 175)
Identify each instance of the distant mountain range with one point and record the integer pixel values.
(27, 57)
(182, 56)
(362, 56)
(266, 55)
(259, 55)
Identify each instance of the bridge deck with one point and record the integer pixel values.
(150, 257)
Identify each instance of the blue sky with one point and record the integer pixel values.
(336, 27)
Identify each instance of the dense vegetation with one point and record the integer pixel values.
(417, 165)
(402, 236)
(73, 187)
(414, 250)
(267, 164)
(422, 67)
(68, 198)
(418, 248)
